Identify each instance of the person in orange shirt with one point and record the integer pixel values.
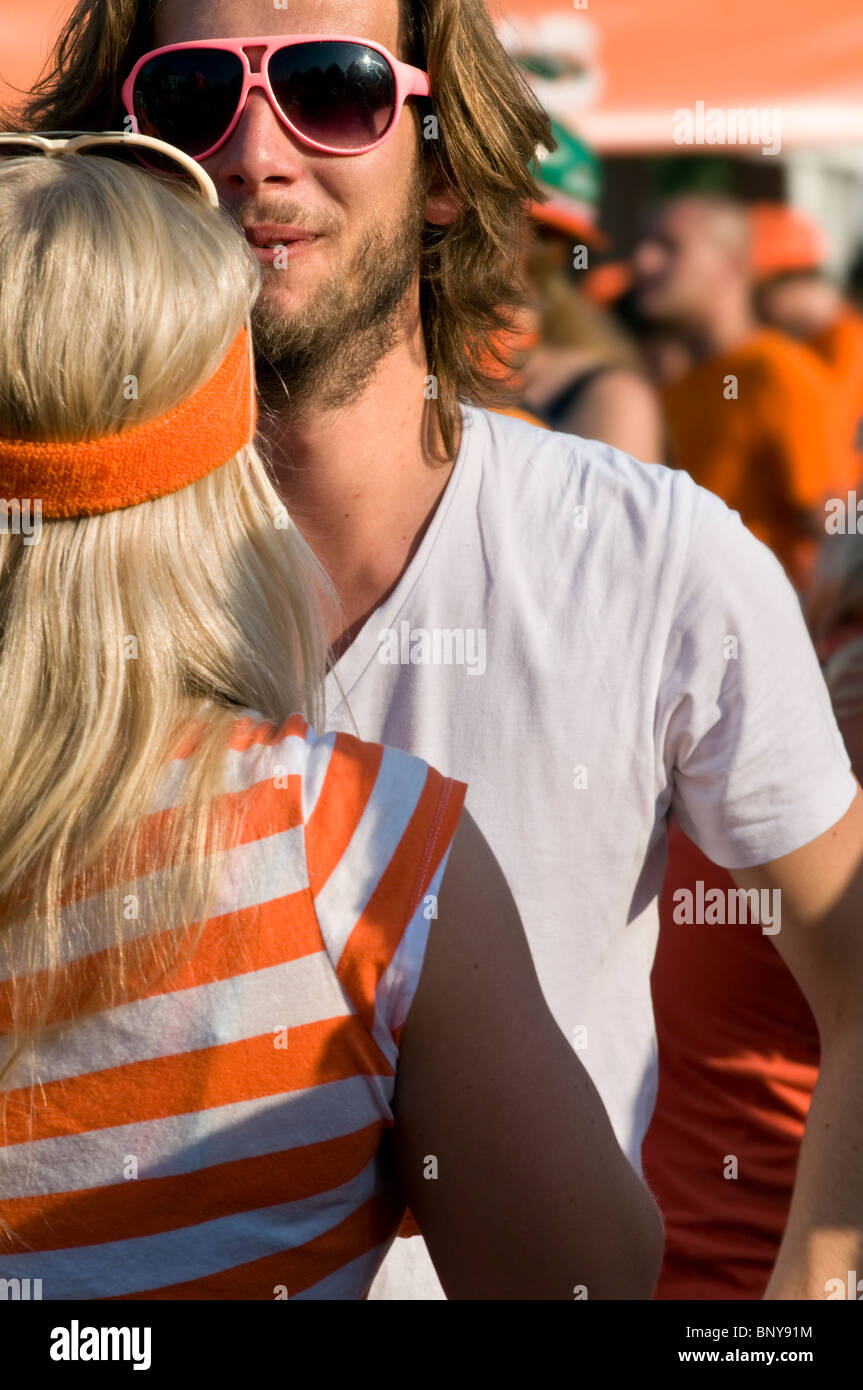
(797, 296)
(738, 1062)
(755, 419)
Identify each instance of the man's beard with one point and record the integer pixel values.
(322, 356)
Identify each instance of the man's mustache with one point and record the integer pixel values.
(280, 214)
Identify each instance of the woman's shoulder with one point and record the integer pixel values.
(334, 770)
(252, 730)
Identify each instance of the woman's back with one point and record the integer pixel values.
(219, 1137)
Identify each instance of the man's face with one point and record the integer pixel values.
(546, 252)
(351, 225)
(678, 266)
(794, 305)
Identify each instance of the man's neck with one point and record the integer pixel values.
(363, 480)
(826, 313)
(731, 324)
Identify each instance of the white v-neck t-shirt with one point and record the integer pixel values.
(588, 641)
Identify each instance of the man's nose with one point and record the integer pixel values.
(260, 148)
(646, 258)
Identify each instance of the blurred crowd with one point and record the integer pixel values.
(723, 346)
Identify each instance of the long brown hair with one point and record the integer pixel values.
(489, 126)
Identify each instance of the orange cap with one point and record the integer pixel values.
(784, 239)
(150, 460)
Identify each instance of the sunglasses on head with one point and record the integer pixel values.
(141, 151)
(336, 94)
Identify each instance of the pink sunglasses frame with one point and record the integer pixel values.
(409, 81)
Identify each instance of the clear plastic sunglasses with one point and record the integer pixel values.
(142, 151)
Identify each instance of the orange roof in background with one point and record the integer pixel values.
(652, 57)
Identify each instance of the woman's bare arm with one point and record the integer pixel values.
(533, 1197)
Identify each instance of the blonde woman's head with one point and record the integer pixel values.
(109, 273)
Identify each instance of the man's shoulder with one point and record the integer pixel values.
(522, 456)
(841, 344)
(776, 361)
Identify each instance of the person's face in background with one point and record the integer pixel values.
(546, 252)
(542, 256)
(799, 305)
(353, 275)
(683, 264)
(547, 261)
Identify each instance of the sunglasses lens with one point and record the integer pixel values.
(340, 94)
(188, 98)
(13, 151)
(151, 160)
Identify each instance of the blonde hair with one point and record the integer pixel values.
(121, 634)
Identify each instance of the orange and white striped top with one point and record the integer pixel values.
(218, 1137)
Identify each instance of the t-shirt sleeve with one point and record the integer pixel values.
(379, 826)
(757, 763)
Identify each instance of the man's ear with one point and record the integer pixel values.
(442, 205)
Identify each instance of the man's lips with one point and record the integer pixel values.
(270, 234)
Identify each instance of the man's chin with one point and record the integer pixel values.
(655, 309)
(283, 318)
(282, 295)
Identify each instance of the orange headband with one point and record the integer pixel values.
(149, 460)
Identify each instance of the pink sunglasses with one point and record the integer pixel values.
(337, 94)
